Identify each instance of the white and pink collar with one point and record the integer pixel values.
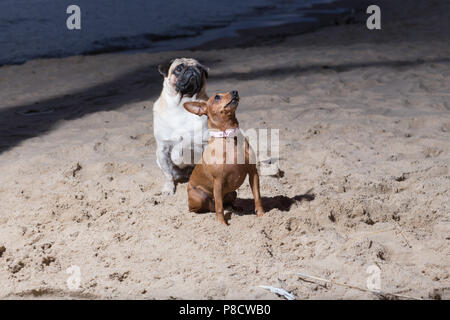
(224, 134)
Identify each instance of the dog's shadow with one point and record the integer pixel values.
(247, 206)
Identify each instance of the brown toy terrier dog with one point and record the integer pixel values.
(226, 160)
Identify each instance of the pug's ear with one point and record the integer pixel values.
(205, 70)
(196, 107)
(163, 68)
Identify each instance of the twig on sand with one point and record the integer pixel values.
(380, 293)
(281, 292)
(401, 232)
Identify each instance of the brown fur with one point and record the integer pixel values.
(214, 181)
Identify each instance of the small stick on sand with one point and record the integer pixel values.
(281, 292)
(303, 275)
(403, 235)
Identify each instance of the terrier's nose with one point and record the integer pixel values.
(234, 94)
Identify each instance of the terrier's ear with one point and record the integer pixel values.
(196, 107)
(163, 68)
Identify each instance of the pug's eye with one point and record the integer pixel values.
(179, 68)
(217, 97)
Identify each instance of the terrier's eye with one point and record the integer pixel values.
(217, 97)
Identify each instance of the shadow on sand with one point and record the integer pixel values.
(282, 203)
(22, 122)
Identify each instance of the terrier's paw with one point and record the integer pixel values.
(260, 212)
(168, 188)
(222, 221)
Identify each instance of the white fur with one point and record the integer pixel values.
(171, 122)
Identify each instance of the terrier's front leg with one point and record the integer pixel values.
(254, 184)
(218, 201)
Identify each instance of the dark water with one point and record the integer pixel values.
(37, 28)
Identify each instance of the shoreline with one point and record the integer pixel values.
(315, 17)
(339, 12)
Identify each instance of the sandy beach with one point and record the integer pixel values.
(364, 120)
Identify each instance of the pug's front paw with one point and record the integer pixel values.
(168, 188)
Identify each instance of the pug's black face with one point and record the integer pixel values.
(189, 79)
(186, 76)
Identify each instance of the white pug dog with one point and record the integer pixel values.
(174, 127)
